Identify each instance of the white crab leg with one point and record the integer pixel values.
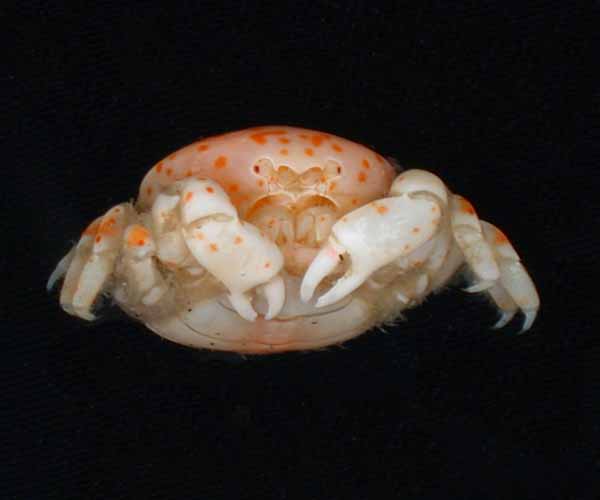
(144, 281)
(80, 254)
(513, 276)
(507, 306)
(373, 235)
(243, 306)
(93, 262)
(61, 269)
(469, 237)
(274, 292)
(235, 252)
(323, 264)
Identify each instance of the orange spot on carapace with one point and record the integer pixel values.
(210, 190)
(355, 201)
(238, 240)
(381, 209)
(309, 152)
(466, 207)
(159, 167)
(220, 162)
(98, 239)
(149, 190)
(317, 139)
(261, 183)
(199, 235)
(201, 147)
(283, 152)
(173, 156)
(233, 188)
(284, 140)
(169, 171)
(261, 137)
(188, 196)
(362, 177)
(137, 235)
(213, 247)
(500, 238)
(332, 187)
(337, 147)
(303, 136)
(188, 173)
(366, 164)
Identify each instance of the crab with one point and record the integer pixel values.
(234, 237)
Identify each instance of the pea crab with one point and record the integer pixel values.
(231, 237)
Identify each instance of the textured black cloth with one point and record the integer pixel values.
(495, 98)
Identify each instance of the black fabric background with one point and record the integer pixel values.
(495, 98)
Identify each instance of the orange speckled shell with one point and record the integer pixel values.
(230, 160)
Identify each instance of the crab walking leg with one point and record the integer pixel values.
(235, 252)
(61, 268)
(514, 279)
(145, 283)
(469, 237)
(505, 303)
(373, 236)
(451, 264)
(71, 265)
(93, 262)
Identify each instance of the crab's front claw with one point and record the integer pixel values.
(373, 236)
(234, 252)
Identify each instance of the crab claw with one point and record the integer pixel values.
(374, 235)
(234, 252)
(274, 292)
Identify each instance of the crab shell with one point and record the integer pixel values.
(248, 164)
(296, 168)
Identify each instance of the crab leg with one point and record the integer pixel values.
(145, 283)
(469, 237)
(373, 236)
(274, 292)
(235, 252)
(515, 288)
(505, 303)
(91, 262)
(71, 265)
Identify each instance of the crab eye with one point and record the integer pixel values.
(332, 169)
(263, 167)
